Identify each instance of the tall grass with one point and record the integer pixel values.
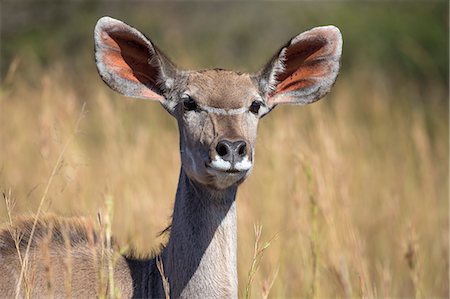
(355, 187)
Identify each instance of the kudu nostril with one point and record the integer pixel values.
(241, 149)
(222, 148)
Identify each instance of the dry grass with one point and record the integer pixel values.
(258, 253)
(165, 281)
(355, 187)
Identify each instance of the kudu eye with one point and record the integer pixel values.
(254, 107)
(189, 104)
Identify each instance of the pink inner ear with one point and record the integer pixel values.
(128, 58)
(304, 63)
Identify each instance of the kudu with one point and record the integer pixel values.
(217, 113)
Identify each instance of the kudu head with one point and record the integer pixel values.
(217, 110)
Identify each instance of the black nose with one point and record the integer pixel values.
(231, 151)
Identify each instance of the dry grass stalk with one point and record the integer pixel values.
(113, 291)
(258, 254)
(103, 272)
(314, 237)
(12, 69)
(10, 203)
(340, 273)
(44, 196)
(267, 284)
(411, 257)
(166, 286)
(345, 279)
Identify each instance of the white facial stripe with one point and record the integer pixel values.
(222, 111)
(221, 164)
(243, 165)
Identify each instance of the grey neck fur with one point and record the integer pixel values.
(200, 258)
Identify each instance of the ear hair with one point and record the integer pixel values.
(277, 66)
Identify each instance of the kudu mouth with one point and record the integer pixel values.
(220, 165)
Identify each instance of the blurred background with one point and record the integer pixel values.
(354, 187)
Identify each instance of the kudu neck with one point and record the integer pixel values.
(200, 257)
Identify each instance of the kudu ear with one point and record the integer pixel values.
(129, 63)
(304, 70)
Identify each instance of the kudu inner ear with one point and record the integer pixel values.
(305, 69)
(129, 63)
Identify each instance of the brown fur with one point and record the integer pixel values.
(78, 231)
(217, 88)
(66, 258)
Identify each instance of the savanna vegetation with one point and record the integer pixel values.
(352, 191)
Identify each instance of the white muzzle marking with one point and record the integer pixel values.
(243, 165)
(221, 164)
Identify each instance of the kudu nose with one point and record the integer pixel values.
(231, 151)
